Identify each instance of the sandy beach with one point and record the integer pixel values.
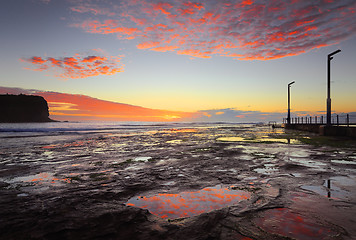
(185, 181)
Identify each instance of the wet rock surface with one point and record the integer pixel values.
(79, 187)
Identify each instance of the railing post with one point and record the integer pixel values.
(337, 119)
(322, 119)
(347, 120)
(316, 119)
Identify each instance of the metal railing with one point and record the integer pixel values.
(336, 119)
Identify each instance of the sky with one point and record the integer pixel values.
(226, 60)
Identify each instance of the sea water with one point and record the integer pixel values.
(19, 134)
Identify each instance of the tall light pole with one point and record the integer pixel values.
(288, 116)
(328, 100)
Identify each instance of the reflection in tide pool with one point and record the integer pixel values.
(259, 140)
(283, 221)
(43, 178)
(231, 139)
(188, 204)
(334, 187)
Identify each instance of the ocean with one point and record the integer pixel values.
(18, 134)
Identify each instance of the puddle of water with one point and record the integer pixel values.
(300, 153)
(278, 140)
(40, 179)
(188, 204)
(259, 140)
(310, 163)
(344, 181)
(297, 175)
(268, 169)
(231, 139)
(169, 183)
(343, 162)
(284, 222)
(175, 141)
(335, 187)
(317, 189)
(184, 130)
(22, 195)
(142, 159)
(133, 168)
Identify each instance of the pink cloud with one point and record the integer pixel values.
(245, 29)
(77, 66)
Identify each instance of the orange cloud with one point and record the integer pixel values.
(64, 106)
(145, 45)
(164, 48)
(37, 60)
(94, 58)
(194, 53)
(244, 29)
(77, 66)
(163, 7)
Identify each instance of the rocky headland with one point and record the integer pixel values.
(23, 108)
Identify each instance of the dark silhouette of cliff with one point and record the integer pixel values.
(23, 108)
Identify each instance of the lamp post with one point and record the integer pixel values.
(328, 100)
(288, 116)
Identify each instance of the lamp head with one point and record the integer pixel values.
(333, 53)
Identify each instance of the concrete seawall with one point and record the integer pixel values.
(324, 130)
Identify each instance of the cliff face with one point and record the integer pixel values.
(23, 108)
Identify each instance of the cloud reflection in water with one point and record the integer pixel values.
(188, 204)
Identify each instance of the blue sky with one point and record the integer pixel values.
(269, 43)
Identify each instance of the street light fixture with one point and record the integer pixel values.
(328, 100)
(288, 116)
